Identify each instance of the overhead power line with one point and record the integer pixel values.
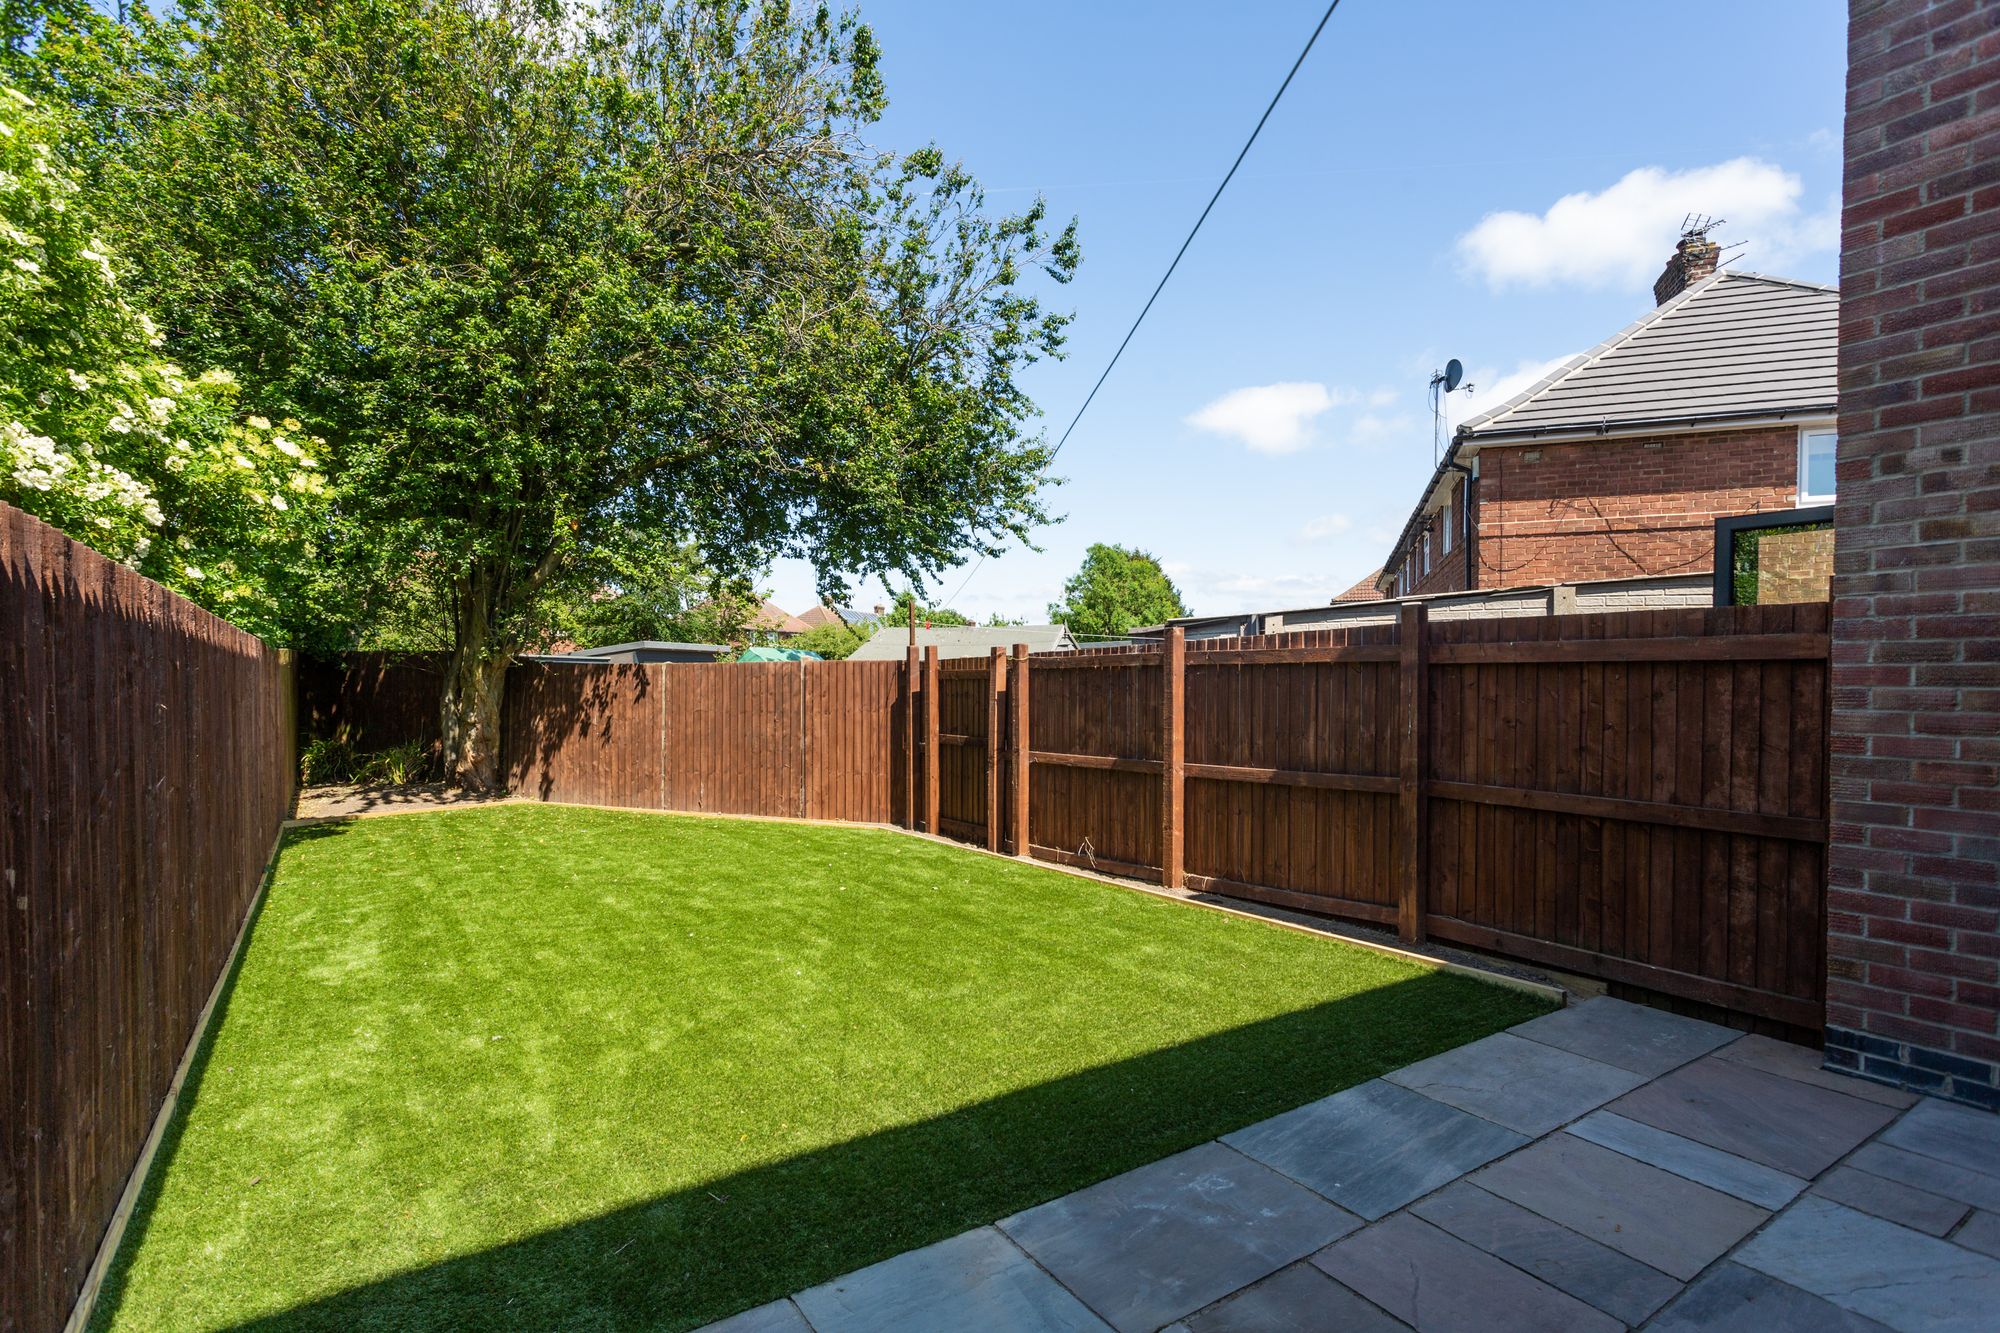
(1193, 231)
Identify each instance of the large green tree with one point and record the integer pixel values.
(1115, 590)
(557, 278)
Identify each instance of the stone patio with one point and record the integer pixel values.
(1604, 1167)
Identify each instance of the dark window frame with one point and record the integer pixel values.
(1726, 530)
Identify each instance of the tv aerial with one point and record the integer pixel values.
(1444, 382)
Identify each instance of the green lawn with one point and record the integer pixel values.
(548, 1067)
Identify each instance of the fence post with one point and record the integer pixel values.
(931, 765)
(1412, 832)
(910, 737)
(996, 672)
(1017, 707)
(1173, 737)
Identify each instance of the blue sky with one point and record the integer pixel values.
(1499, 183)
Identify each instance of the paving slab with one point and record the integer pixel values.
(1806, 1065)
(1899, 1277)
(1754, 1182)
(1653, 1216)
(1928, 1173)
(1299, 1299)
(1632, 1036)
(1375, 1147)
(1522, 1084)
(1730, 1298)
(1981, 1232)
(1951, 1133)
(1796, 1127)
(777, 1317)
(975, 1282)
(1892, 1200)
(1152, 1245)
(1436, 1282)
(1597, 1274)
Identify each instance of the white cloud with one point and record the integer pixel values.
(1269, 418)
(1376, 428)
(1621, 235)
(1382, 397)
(1491, 388)
(1327, 525)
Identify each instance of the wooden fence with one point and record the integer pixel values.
(148, 754)
(1639, 797)
(802, 740)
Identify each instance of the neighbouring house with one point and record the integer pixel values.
(1719, 402)
(774, 622)
(642, 650)
(1364, 590)
(826, 613)
(963, 641)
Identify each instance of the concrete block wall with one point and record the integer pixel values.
(1913, 920)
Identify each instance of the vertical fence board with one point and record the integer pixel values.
(149, 759)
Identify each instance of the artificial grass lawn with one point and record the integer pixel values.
(537, 1066)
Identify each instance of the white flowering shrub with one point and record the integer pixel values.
(103, 437)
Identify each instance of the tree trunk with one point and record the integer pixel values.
(470, 717)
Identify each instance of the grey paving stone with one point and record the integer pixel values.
(1906, 1205)
(1615, 1284)
(1434, 1281)
(1299, 1299)
(972, 1283)
(1632, 1036)
(1951, 1133)
(1982, 1233)
(1805, 1064)
(1656, 1217)
(1732, 1299)
(1375, 1147)
(1892, 1274)
(1147, 1247)
(1928, 1173)
(1795, 1127)
(1512, 1081)
(1764, 1186)
(778, 1317)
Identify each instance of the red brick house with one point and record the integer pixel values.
(1719, 402)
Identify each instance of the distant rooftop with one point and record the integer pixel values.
(891, 641)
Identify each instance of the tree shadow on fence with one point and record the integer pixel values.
(582, 731)
(697, 1254)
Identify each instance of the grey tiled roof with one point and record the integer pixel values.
(1733, 345)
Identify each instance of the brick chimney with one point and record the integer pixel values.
(1694, 259)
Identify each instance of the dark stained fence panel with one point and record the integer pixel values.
(147, 749)
(588, 734)
(850, 752)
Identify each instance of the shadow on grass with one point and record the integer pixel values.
(685, 1258)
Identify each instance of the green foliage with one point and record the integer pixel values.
(333, 759)
(103, 437)
(1116, 590)
(561, 278)
(545, 1067)
(833, 641)
(640, 589)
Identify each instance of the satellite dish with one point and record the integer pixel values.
(1453, 374)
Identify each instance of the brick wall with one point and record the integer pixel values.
(1794, 566)
(1622, 508)
(1913, 986)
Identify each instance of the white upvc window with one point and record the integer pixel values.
(1427, 553)
(1817, 446)
(1444, 525)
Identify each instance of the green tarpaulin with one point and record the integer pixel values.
(762, 654)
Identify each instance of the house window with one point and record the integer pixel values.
(1427, 553)
(1816, 453)
(1444, 525)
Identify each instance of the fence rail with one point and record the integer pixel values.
(148, 755)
